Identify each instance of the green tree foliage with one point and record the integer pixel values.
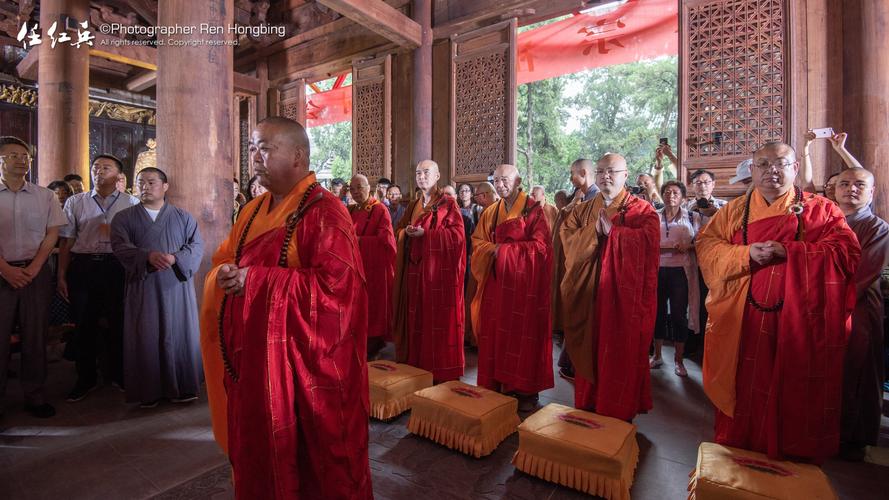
(623, 109)
(332, 149)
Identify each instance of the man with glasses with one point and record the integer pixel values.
(30, 218)
(96, 278)
(609, 294)
(703, 182)
(485, 195)
(779, 263)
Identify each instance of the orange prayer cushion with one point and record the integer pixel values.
(392, 385)
(466, 418)
(580, 450)
(726, 473)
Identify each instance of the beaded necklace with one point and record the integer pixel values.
(797, 210)
(292, 220)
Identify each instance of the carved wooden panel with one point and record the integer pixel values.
(372, 119)
(483, 93)
(292, 101)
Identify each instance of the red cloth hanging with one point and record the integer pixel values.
(635, 31)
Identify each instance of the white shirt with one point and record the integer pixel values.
(681, 231)
(89, 219)
(25, 215)
(152, 213)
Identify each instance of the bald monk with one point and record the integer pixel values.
(609, 294)
(376, 241)
(863, 377)
(538, 194)
(512, 263)
(779, 263)
(284, 334)
(429, 271)
(485, 194)
(585, 189)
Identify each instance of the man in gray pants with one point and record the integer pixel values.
(30, 218)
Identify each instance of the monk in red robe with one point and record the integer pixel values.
(779, 264)
(609, 292)
(429, 271)
(284, 334)
(372, 224)
(512, 262)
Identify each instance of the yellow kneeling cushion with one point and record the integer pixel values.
(726, 473)
(580, 450)
(463, 417)
(392, 386)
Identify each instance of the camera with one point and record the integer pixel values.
(635, 190)
(702, 203)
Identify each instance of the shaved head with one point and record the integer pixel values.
(449, 190)
(611, 174)
(507, 181)
(485, 195)
(279, 153)
(774, 169)
(582, 174)
(289, 130)
(427, 175)
(359, 188)
(854, 189)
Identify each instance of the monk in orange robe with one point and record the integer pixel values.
(512, 262)
(370, 218)
(429, 271)
(609, 292)
(779, 264)
(284, 334)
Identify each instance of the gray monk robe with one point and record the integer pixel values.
(161, 336)
(863, 377)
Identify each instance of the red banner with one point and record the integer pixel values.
(635, 31)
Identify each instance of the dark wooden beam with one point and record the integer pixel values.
(486, 12)
(380, 18)
(141, 81)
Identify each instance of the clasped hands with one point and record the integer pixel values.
(20, 277)
(161, 261)
(231, 278)
(414, 231)
(603, 225)
(766, 252)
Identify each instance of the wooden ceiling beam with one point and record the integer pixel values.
(142, 81)
(140, 56)
(380, 18)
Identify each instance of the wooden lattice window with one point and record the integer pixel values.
(372, 119)
(735, 80)
(483, 90)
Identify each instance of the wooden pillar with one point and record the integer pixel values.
(63, 95)
(422, 84)
(194, 116)
(866, 90)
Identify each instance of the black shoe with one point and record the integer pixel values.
(528, 402)
(149, 404)
(566, 374)
(41, 411)
(187, 398)
(80, 391)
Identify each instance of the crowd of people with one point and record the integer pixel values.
(311, 283)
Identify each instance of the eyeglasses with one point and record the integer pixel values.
(17, 156)
(766, 165)
(609, 172)
(702, 183)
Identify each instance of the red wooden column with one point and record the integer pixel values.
(866, 90)
(63, 96)
(422, 84)
(194, 115)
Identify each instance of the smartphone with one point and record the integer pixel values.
(822, 133)
(665, 141)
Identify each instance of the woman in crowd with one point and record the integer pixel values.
(465, 194)
(677, 283)
(254, 188)
(62, 189)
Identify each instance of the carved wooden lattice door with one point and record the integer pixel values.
(483, 101)
(735, 83)
(372, 118)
